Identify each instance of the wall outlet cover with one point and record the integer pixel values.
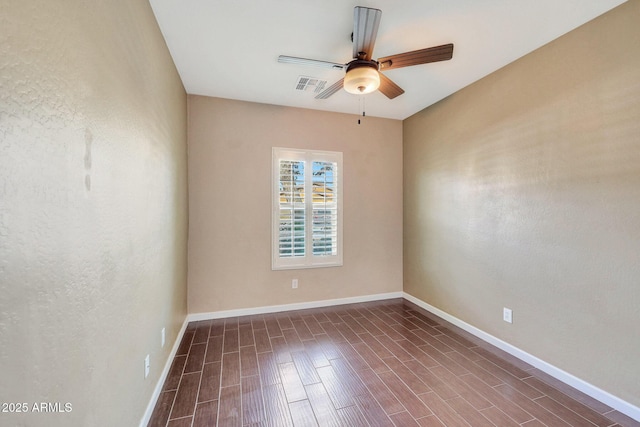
(507, 315)
(147, 365)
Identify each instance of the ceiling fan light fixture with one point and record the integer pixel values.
(361, 79)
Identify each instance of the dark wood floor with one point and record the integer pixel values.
(385, 363)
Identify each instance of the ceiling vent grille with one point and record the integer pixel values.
(310, 84)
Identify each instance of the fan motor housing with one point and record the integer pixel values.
(357, 63)
(362, 77)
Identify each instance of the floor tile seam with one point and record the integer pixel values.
(393, 394)
(589, 401)
(372, 394)
(428, 345)
(617, 424)
(461, 340)
(502, 356)
(373, 351)
(333, 405)
(437, 417)
(493, 406)
(266, 351)
(497, 408)
(614, 423)
(410, 370)
(186, 362)
(176, 396)
(445, 383)
(307, 325)
(365, 360)
(408, 388)
(242, 403)
(538, 405)
(502, 381)
(373, 334)
(612, 411)
(467, 390)
(242, 375)
(206, 348)
(281, 327)
(221, 370)
(503, 369)
(445, 402)
(388, 349)
(206, 401)
(181, 418)
(355, 371)
(230, 328)
(461, 415)
(444, 365)
(246, 345)
(170, 409)
(566, 407)
(501, 398)
(514, 421)
(563, 394)
(178, 387)
(262, 389)
(459, 377)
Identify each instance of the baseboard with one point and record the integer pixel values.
(290, 307)
(163, 376)
(567, 378)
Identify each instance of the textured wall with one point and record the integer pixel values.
(93, 208)
(523, 191)
(230, 204)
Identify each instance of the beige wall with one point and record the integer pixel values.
(230, 204)
(93, 208)
(523, 191)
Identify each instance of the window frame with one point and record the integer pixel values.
(309, 260)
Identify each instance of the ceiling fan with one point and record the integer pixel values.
(362, 72)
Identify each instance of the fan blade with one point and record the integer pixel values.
(310, 62)
(389, 88)
(365, 30)
(331, 90)
(416, 57)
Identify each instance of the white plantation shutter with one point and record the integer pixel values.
(325, 209)
(307, 209)
(291, 209)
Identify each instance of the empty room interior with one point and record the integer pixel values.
(479, 216)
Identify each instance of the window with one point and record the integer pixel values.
(307, 209)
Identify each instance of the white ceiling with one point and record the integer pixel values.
(229, 48)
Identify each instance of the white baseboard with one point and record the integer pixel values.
(575, 382)
(290, 307)
(567, 378)
(163, 376)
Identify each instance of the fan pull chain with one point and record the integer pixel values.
(362, 107)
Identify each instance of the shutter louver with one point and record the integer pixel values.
(291, 238)
(307, 209)
(325, 209)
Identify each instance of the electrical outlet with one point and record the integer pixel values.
(294, 284)
(162, 337)
(147, 365)
(507, 315)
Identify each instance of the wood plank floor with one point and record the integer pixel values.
(386, 363)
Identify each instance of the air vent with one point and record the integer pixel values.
(310, 84)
